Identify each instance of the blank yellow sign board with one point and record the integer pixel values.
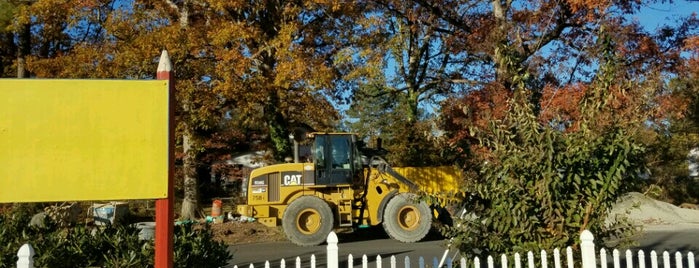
(65, 140)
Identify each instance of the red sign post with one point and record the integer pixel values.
(164, 208)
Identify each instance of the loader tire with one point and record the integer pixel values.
(307, 221)
(406, 220)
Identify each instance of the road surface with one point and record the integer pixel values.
(682, 238)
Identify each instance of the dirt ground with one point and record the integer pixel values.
(641, 209)
(235, 232)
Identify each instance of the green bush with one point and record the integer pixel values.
(109, 246)
(195, 247)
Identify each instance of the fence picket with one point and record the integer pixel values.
(653, 259)
(25, 256)
(603, 258)
(587, 256)
(690, 260)
(332, 251)
(556, 258)
(569, 256)
(587, 250)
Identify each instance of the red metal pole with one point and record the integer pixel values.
(164, 208)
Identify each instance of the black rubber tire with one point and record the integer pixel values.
(307, 221)
(405, 220)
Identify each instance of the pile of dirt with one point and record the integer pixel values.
(646, 211)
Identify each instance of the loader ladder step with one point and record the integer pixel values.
(344, 213)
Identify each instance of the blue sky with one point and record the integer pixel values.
(656, 15)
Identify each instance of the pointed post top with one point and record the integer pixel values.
(164, 65)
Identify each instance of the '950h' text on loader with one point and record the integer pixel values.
(339, 188)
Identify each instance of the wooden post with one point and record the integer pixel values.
(26, 256)
(587, 250)
(164, 208)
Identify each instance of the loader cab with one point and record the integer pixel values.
(336, 158)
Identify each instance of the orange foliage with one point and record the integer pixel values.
(691, 44)
(579, 5)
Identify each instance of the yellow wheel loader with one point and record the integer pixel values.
(339, 188)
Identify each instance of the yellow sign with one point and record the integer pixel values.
(65, 140)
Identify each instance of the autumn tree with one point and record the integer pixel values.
(101, 41)
(275, 60)
(251, 70)
(555, 114)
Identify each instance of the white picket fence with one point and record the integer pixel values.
(589, 258)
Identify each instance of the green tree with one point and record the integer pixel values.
(400, 61)
(670, 147)
(563, 182)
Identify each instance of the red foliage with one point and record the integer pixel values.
(561, 105)
(475, 110)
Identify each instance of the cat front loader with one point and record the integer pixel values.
(339, 188)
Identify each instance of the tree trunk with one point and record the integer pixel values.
(10, 50)
(278, 130)
(24, 49)
(190, 204)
